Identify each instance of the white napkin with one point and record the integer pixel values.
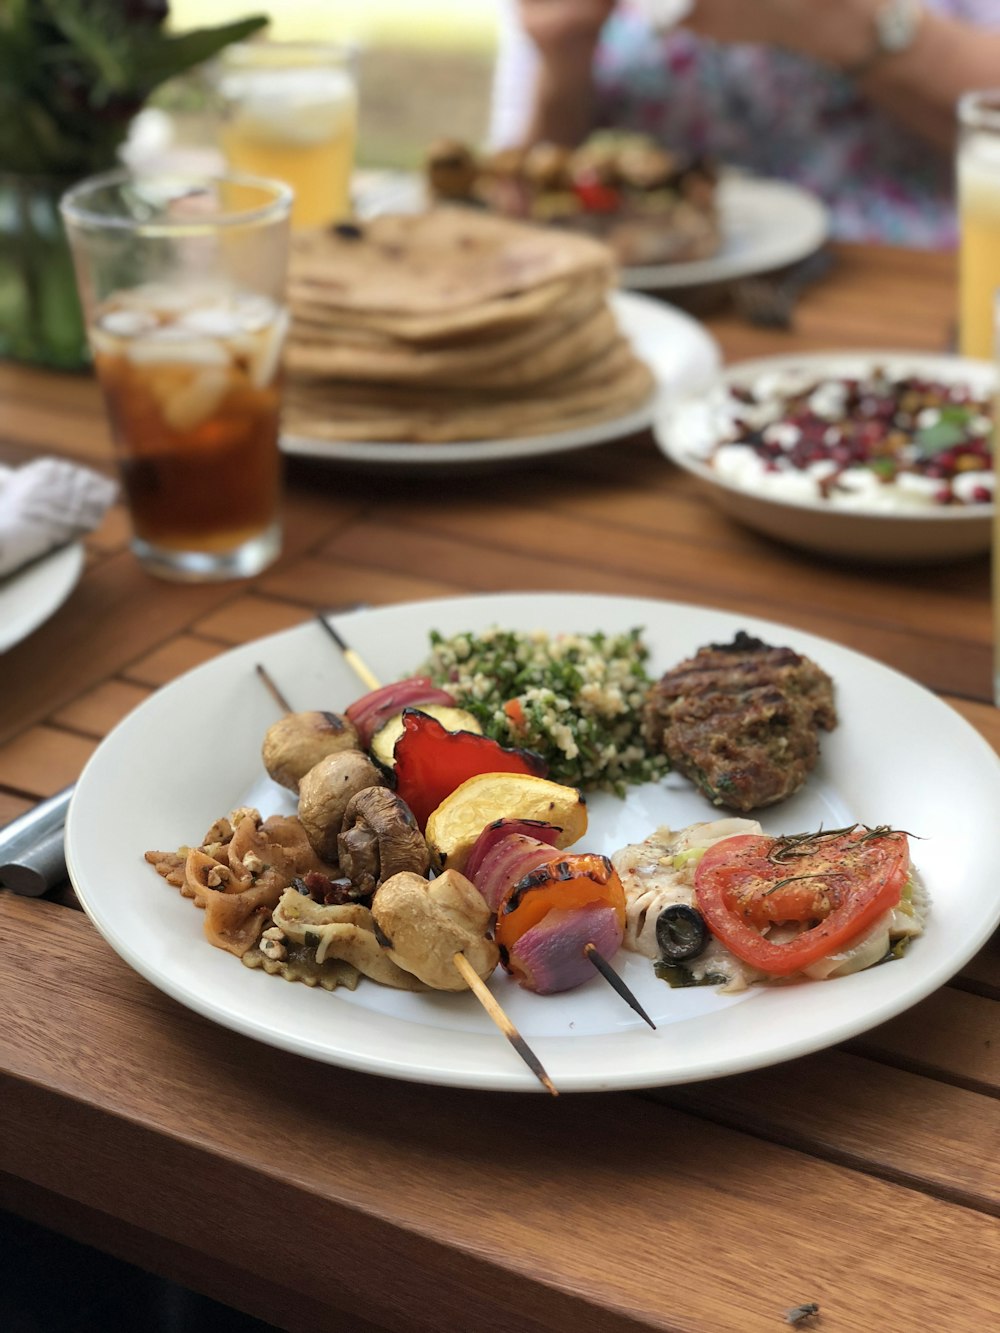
(45, 504)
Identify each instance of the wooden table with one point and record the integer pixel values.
(865, 1178)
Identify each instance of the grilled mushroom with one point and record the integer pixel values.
(379, 838)
(425, 923)
(324, 794)
(451, 169)
(300, 740)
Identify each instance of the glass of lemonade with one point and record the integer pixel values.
(182, 283)
(290, 112)
(979, 219)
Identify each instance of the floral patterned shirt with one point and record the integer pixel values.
(779, 114)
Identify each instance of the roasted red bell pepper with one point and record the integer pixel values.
(432, 761)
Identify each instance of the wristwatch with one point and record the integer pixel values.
(897, 23)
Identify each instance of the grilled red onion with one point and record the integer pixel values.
(550, 957)
(372, 710)
(507, 863)
(502, 828)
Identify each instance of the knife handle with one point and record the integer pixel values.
(32, 859)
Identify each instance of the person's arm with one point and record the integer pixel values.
(918, 86)
(564, 34)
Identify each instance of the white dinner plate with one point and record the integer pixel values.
(766, 224)
(677, 349)
(191, 752)
(30, 596)
(687, 431)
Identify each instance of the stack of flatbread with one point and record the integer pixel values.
(454, 325)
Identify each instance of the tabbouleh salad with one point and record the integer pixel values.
(574, 698)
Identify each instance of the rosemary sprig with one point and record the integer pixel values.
(792, 879)
(804, 844)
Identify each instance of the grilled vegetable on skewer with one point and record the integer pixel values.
(454, 827)
(431, 762)
(325, 793)
(383, 744)
(372, 711)
(377, 841)
(298, 741)
(424, 923)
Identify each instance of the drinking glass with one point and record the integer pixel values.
(979, 219)
(182, 283)
(290, 112)
(996, 512)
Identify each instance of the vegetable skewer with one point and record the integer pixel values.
(591, 953)
(462, 965)
(614, 980)
(356, 663)
(490, 1003)
(273, 690)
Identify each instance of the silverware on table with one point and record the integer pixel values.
(769, 300)
(32, 860)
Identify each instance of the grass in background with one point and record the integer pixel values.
(454, 23)
(425, 67)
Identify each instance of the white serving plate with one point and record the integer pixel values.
(677, 349)
(30, 596)
(898, 756)
(765, 224)
(686, 431)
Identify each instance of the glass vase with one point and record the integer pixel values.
(41, 322)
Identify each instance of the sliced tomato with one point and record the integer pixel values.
(835, 885)
(370, 711)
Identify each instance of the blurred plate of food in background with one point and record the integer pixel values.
(863, 455)
(672, 221)
(457, 336)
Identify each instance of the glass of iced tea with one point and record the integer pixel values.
(182, 282)
(289, 110)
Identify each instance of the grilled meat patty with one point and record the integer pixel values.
(741, 720)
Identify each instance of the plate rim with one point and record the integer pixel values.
(631, 308)
(816, 224)
(462, 1068)
(60, 572)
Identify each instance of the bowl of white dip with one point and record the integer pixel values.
(877, 456)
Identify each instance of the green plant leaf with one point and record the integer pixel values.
(101, 43)
(163, 57)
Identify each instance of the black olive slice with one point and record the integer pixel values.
(681, 933)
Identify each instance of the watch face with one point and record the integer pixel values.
(897, 24)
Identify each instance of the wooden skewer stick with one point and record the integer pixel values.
(482, 994)
(358, 665)
(603, 966)
(273, 690)
(613, 979)
(486, 998)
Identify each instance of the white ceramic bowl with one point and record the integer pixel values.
(686, 430)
